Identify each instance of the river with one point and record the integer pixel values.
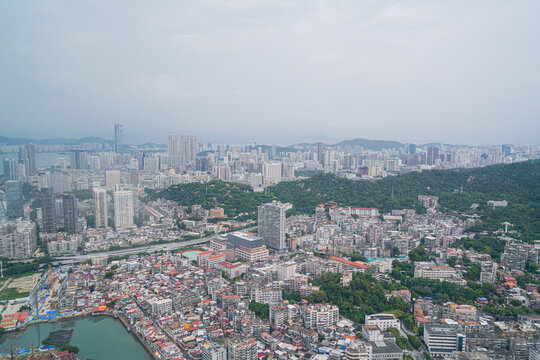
(102, 338)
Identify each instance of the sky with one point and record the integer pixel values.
(272, 71)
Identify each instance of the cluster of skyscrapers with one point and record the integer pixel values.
(25, 166)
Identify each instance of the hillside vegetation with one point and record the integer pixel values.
(234, 198)
(518, 183)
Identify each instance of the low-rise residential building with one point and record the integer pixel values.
(431, 271)
(252, 254)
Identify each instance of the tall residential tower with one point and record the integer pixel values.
(123, 209)
(272, 225)
(100, 208)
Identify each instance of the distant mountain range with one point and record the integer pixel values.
(376, 145)
(367, 144)
(57, 141)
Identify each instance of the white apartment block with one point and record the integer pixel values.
(123, 209)
(18, 238)
(320, 316)
(285, 271)
(160, 306)
(211, 351)
(383, 321)
(268, 296)
(431, 271)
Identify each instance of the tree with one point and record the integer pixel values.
(109, 275)
(531, 267)
(515, 303)
(293, 296)
(419, 254)
(394, 252)
(261, 310)
(413, 340)
(394, 331)
(408, 321)
(473, 272)
(319, 297)
(356, 256)
(71, 348)
(512, 182)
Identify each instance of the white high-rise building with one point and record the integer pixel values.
(123, 209)
(112, 178)
(188, 149)
(174, 145)
(272, 173)
(272, 225)
(100, 208)
(95, 162)
(286, 270)
(182, 149)
(151, 163)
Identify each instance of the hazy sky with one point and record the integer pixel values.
(272, 71)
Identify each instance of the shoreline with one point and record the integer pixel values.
(120, 318)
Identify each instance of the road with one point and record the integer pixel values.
(416, 354)
(131, 251)
(67, 260)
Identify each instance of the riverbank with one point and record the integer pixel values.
(90, 329)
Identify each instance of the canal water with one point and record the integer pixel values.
(102, 338)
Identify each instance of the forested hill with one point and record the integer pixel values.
(457, 189)
(234, 198)
(518, 183)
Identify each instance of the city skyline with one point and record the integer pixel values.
(269, 180)
(329, 142)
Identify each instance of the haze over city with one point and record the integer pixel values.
(272, 71)
(270, 180)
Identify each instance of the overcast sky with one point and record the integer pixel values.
(272, 71)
